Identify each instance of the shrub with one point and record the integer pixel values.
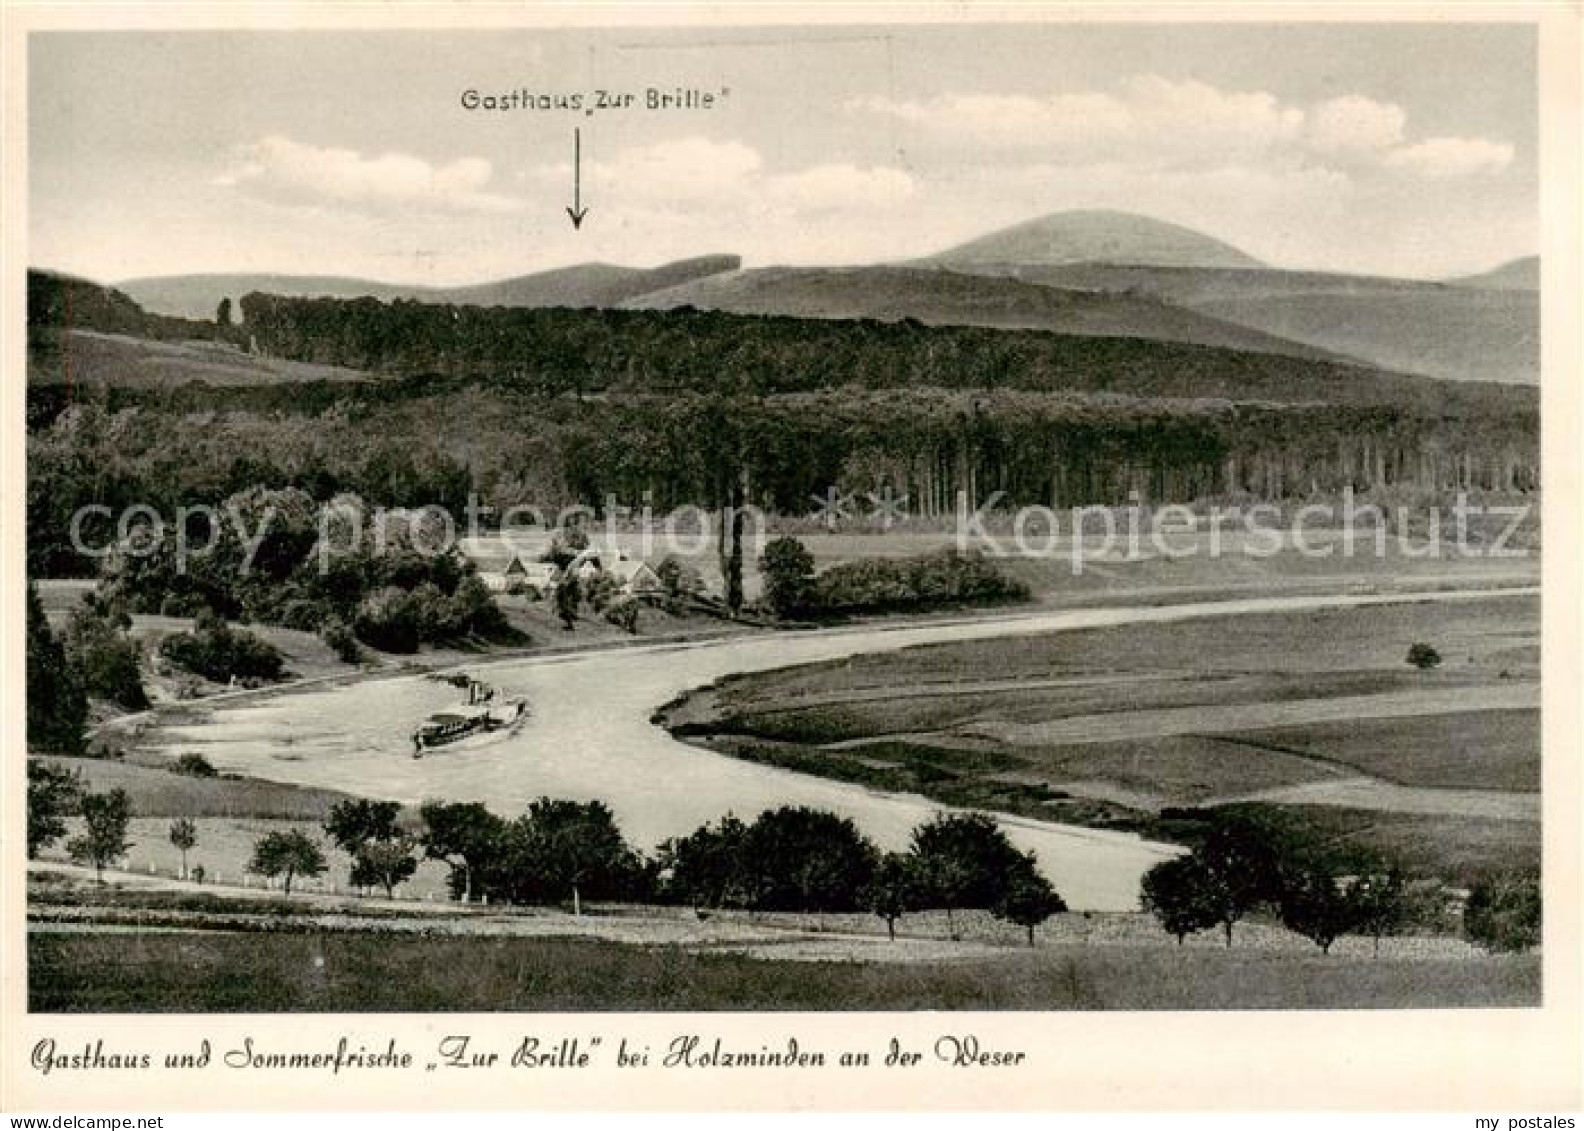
(928, 581)
(1423, 657)
(388, 620)
(1503, 913)
(219, 652)
(342, 641)
(107, 662)
(194, 765)
(788, 570)
(474, 611)
(623, 613)
(301, 614)
(600, 589)
(182, 605)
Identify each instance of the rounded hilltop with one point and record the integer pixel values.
(1097, 236)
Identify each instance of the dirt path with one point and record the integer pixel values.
(669, 927)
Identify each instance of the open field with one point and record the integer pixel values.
(157, 792)
(1111, 726)
(90, 357)
(180, 972)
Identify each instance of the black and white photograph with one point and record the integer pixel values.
(681, 517)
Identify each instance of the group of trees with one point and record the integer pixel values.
(809, 861)
(55, 793)
(273, 556)
(788, 859)
(93, 656)
(557, 851)
(216, 651)
(601, 592)
(57, 702)
(942, 579)
(1245, 865)
(806, 860)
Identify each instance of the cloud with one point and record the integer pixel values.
(1153, 123)
(831, 187)
(279, 169)
(727, 176)
(1157, 121)
(1354, 124)
(685, 170)
(1452, 157)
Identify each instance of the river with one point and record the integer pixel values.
(590, 737)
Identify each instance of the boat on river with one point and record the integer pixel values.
(481, 714)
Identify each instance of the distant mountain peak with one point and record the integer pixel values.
(1098, 236)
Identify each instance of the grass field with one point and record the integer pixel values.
(156, 792)
(218, 972)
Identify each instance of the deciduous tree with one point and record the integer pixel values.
(184, 835)
(52, 795)
(288, 854)
(1178, 892)
(1028, 899)
(106, 817)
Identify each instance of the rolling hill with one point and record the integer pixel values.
(940, 297)
(1514, 275)
(1457, 333)
(1485, 327)
(586, 284)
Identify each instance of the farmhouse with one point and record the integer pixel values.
(634, 577)
(504, 566)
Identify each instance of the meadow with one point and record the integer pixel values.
(220, 972)
(1131, 727)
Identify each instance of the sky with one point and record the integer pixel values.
(1387, 149)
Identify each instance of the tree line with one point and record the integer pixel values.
(563, 853)
(582, 351)
(1246, 866)
(413, 447)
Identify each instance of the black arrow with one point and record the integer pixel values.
(577, 211)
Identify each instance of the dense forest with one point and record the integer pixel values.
(553, 351)
(550, 408)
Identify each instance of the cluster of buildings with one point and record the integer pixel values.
(516, 564)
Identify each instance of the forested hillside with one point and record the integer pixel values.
(556, 407)
(684, 350)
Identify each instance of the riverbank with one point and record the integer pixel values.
(591, 738)
(1312, 714)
